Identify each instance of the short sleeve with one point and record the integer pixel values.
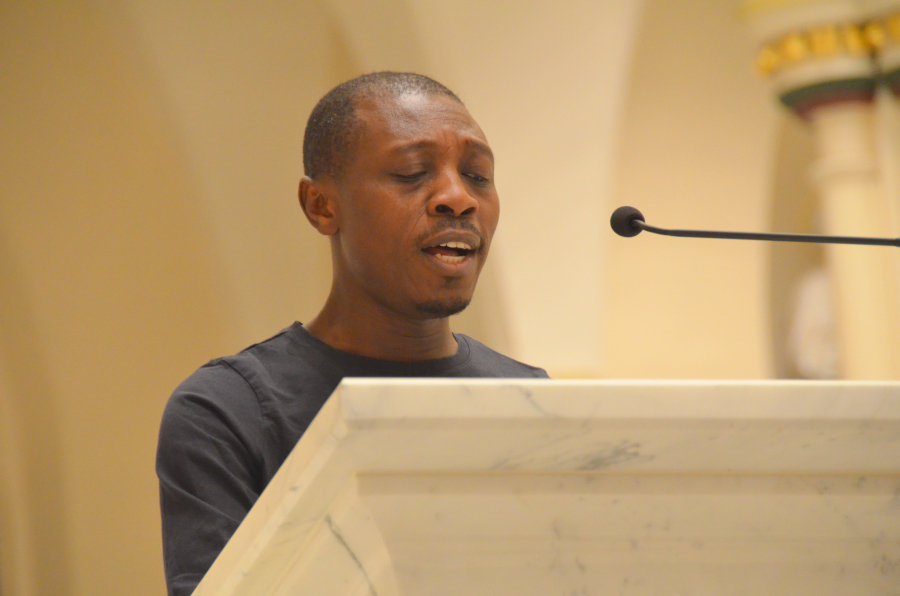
(209, 472)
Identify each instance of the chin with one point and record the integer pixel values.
(441, 309)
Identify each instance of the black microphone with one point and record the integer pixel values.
(628, 222)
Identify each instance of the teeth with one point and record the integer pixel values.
(449, 259)
(461, 245)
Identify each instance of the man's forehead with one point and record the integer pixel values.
(405, 118)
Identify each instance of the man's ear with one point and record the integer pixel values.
(317, 199)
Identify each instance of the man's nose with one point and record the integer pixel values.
(453, 197)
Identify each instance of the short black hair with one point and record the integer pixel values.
(332, 128)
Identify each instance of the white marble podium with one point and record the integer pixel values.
(492, 487)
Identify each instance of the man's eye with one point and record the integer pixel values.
(414, 177)
(477, 178)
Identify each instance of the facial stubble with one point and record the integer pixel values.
(441, 309)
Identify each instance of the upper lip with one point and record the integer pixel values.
(471, 239)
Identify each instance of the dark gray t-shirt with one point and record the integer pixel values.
(230, 425)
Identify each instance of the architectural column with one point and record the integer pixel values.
(819, 56)
(887, 34)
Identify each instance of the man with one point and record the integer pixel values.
(399, 177)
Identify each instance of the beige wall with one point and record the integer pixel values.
(697, 149)
(116, 281)
(148, 219)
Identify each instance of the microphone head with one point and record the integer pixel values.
(621, 221)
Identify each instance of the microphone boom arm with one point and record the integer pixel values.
(636, 223)
(629, 222)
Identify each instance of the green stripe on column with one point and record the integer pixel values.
(892, 80)
(806, 98)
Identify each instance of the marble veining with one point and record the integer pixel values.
(337, 534)
(556, 455)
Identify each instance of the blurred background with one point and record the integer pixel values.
(151, 153)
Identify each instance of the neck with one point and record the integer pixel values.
(379, 333)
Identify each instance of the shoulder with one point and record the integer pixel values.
(263, 371)
(230, 383)
(485, 362)
(222, 396)
(264, 396)
(213, 406)
(262, 362)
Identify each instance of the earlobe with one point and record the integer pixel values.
(319, 206)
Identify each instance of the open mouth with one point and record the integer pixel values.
(450, 252)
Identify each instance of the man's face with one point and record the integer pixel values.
(417, 207)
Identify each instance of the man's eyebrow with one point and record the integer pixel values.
(478, 145)
(481, 147)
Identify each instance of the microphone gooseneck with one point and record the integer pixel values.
(629, 222)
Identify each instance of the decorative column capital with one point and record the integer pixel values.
(823, 42)
(889, 51)
(828, 51)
